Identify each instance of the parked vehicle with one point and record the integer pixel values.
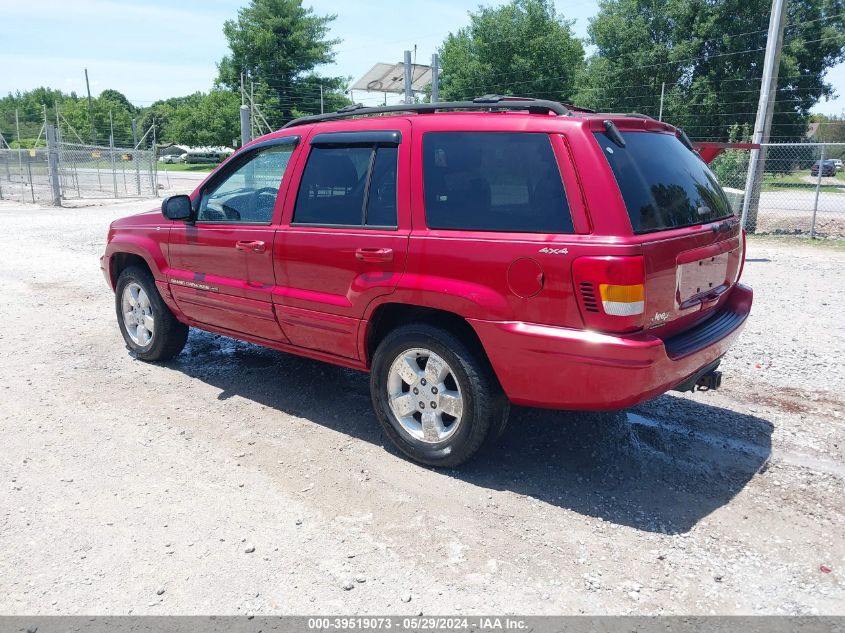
(531, 254)
(207, 154)
(828, 168)
(172, 158)
(837, 162)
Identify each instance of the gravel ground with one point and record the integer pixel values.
(236, 479)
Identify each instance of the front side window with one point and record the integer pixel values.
(348, 186)
(493, 181)
(248, 194)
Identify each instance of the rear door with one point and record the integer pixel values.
(346, 234)
(691, 241)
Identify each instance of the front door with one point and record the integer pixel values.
(346, 238)
(221, 266)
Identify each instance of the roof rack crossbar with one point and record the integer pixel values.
(487, 102)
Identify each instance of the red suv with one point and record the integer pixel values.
(468, 255)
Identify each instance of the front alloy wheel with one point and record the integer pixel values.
(150, 329)
(138, 316)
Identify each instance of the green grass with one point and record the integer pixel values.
(795, 182)
(836, 244)
(186, 166)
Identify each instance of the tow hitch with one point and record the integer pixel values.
(706, 379)
(709, 382)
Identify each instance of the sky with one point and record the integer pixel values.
(154, 49)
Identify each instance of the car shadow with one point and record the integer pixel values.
(660, 467)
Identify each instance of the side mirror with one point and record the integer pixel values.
(177, 208)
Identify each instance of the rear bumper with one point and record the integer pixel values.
(561, 368)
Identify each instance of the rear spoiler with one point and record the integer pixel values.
(709, 151)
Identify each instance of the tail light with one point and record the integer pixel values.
(621, 292)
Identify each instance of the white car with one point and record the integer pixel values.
(172, 158)
(838, 164)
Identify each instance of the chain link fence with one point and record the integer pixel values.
(25, 175)
(801, 191)
(93, 171)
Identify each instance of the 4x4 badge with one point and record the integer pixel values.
(555, 251)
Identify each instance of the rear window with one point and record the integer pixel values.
(664, 184)
(493, 181)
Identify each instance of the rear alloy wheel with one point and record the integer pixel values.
(424, 395)
(436, 399)
(148, 326)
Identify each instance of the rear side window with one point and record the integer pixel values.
(348, 186)
(664, 184)
(493, 181)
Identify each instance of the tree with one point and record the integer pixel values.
(278, 44)
(204, 119)
(710, 56)
(831, 129)
(521, 48)
(118, 97)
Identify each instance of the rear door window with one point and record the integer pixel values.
(348, 186)
(664, 184)
(493, 181)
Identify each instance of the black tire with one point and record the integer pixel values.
(169, 335)
(485, 406)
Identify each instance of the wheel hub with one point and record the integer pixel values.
(138, 318)
(424, 395)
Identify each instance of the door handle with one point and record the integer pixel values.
(255, 246)
(374, 254)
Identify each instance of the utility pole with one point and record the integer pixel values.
(408, 80)
(90, 109)
(662, 92)
(435, 78)
(321, 97)
(765, 111)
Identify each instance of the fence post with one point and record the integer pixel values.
(111, 155)
(408, 78)
(818, 189)
(245, 131)
(435, 78)
(20, 157)
(53, 163)
(135, 156)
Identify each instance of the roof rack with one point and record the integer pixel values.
(577, 108)
(487, 102)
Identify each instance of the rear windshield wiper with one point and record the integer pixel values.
(613, 133)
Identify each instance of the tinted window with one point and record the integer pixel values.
(493, 182)
(348, 186)
(247, 194)
(381, 202)
(664, 185)
(333, 186)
